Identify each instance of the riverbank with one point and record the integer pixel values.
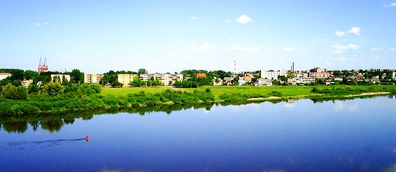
(130, 98)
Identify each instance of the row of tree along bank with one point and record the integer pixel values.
(55, 98)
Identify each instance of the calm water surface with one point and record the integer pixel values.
(351, 135)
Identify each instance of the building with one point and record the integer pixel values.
(200, 75)
(60, 77)
(228, 80)
(319, 73)
(125, 79)
(264, 82)
(92, 78)
(42, 67)
(4, 75)
(145, 77)
(217, 81)
(271, 74)
(394, 75)
(26, 83)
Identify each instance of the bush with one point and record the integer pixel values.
(275, 93)
(12, 92)
(53, 88)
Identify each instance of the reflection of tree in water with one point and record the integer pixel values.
(55, 122)
(52, 125)
(15, 126)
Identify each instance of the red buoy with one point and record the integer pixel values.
(86, 138)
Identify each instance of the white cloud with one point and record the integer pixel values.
(376, 49)
(337, 48)
(245, 49)
(390, 5)
(206, 46)
(194, 18)
(40, 24)
(339, 33)
(354, 30)
(289, 49)
(243, 19)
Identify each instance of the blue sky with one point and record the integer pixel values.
(169, 36)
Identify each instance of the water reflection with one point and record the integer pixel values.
(55, 122)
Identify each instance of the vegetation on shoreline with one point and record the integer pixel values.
(85, 97)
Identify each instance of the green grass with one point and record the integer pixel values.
(127, 90)
(295, 91)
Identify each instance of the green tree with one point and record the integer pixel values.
(53, 88)
(76, 76)
(64, 80)
(291, 74)
(142, 71)
(12, 92)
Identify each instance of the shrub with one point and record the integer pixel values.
(12, 92)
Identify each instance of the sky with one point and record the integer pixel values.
(169, 36)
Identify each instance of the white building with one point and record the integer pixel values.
(145, 77)
(4, 75)
(92, 78)
(304, 80)
(60, 77)
(394, 75)
(271, 74)
(125, 79)
(26, 83)
(264, 82)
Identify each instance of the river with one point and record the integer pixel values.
(302, 135)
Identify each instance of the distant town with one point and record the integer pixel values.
(195, 78)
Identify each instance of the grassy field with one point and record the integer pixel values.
(127, 90)
(219, 90)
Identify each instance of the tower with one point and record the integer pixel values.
(234, 66)
(292, 67)
(42, 67)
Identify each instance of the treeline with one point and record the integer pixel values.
(193, 81)
(137, 82)
(352, 90)
(83, 97)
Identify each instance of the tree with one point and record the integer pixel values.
(109, 78)
(53, 88)
(12, 92)
(291, 74)
(17, 75)
(142, 71)
(76, 76)
(29, 74)
(64, 80)
(136, 82)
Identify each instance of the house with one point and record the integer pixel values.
(166, 79)
(394, 75)
(228, 80)
(241, 81)
(145, 77)
(264, 82)
(292, 81)
(200, 75)
(92, 78)
(338, 79)
(26, 83)
(318, 73)
(59, 77)
(304, 80)
(4, 75)
(271, 74)
(125, 79)
(217, 82)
